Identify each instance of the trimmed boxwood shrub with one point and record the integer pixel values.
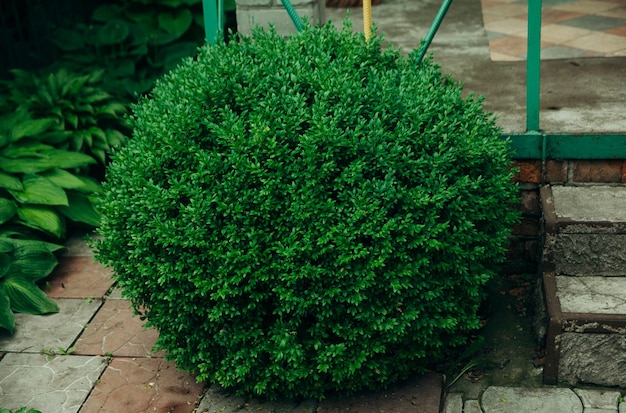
(304, 214)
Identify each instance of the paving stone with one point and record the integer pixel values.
(598, 399)
(116, 331)
(622, 407)
(79, 277)
(598, 295)
(453, 403)
(50, 384)
(143, 385)
(593, 203)
(34, 333)
(497, 399)
(592, 410)
(421, 394)
(218, 400)
(471, 406)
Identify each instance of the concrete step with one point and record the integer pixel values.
(584, 285)
(585, 230)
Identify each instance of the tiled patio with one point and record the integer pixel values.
(570, 28)
(109, 365)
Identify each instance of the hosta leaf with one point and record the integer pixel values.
(31, 128)
(115, 138)
(8, 209)
(5, 263)
(43, 219)
(33, 262)
(176, 23)
(67, 180)
(25, 297)
(7, 320)
(25, 150)
(17, 243)
(44, 160)
(113, 32)
(10, 182)
(40, 191)
(81, 210)
(5, 245)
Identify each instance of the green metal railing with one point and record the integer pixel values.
(534, 144)
(531, 144)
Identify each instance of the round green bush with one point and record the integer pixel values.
(305, 214)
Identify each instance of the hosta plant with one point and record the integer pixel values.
(305, 214)
(22, 264)
(39, 186)
(87, 119)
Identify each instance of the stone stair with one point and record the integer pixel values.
(584, 284)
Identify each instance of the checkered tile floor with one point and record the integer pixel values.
(570, 28)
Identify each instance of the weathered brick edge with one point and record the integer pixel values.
(525, 248)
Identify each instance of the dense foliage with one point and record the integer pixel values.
(304, 214)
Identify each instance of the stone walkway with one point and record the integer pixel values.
(496, 399)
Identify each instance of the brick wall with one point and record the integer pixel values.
(525, 247)
(264, 12)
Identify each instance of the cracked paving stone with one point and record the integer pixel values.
(34, 333)
(50, 384)
(143, 385)
(79, 277)
(599, 295)
(115, 330)
(497, 399)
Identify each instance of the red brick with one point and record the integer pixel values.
(556, 171)
(598, 171)
(529, 171)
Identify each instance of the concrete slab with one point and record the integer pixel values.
(421, 394)
(526, 400)
(596, 295)
(599, 399)
(453, 403)
(34, 334)
(50, 384)
(216, 399)
(471, 406)
(116, 331)
(143, 385)
(590, 203)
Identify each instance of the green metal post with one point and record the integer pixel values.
(533, 65)
(433, 29)
(292, 14)
(213, 20)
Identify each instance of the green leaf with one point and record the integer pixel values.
(33, 262)
(176, 23)
(45, 159)
(43, 219)
(31, 128)
(40, 191)
(113, 32)
(7, 320)
(81, 209)
(25, 297)
(10, 182)
(5, 263)
(67, 180)
(8, 209)
(18, 242)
